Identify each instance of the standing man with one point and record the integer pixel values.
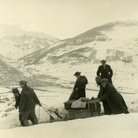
(28, 100)
(17, 96)
(79, 87)
(105, 71)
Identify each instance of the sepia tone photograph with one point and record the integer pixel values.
(68, 69)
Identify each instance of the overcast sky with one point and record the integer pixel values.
(65, 18)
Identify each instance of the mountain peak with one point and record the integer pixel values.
(16, 40)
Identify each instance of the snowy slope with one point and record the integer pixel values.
(54, 67)
(16, 43)
(116, 42)
(119, 126)
(8, 74)
(116, 126)
(113, 41)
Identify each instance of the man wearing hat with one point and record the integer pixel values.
(28, 100)
(17, 95)
(113, 102)
(105, 71)
(100, 94)
(79, 87)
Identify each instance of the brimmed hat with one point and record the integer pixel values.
(103, 61)
(23, 82)
(77, 73)
(104, 80)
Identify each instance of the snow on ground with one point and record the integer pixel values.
(125, 74)
(115, 126)
(54, 97)
(4, 90)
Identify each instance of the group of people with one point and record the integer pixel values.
(113, 102)
(26, 102)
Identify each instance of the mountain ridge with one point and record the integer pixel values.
(16, 43)
(97, 39)
(115, 42)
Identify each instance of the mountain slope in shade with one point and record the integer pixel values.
(14, 44)
(10, 76)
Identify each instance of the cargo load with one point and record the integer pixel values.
(82, 108)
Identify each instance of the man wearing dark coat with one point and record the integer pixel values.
(113, 102)
(105, 71)
(28, 100)
(79, 87)
(17, 95)
(107, 110)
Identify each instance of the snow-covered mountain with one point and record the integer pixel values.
(54, 66)
(16, 43)
(8, 73)
(115, 41)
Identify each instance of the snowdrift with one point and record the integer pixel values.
(115, 126)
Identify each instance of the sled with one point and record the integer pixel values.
(54, 115)
(90, 104)
(92, 109)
